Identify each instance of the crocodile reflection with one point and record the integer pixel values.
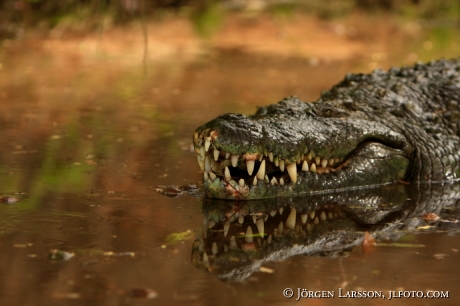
(239, 237)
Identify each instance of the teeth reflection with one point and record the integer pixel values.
(211, 223)
(323, 216)
(312, 214)
(260, 227)
(214, 249)
(226, 228)
(281, 209)
(240, 219)
(329, 215)
(290, 222)
(254, 219)
(273, 213)
(249, 236)
(280, 228)
(233, 242)
(269, 239)
(316, 220)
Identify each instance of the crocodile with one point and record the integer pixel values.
(400, 125)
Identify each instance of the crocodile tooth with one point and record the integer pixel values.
(250, 166)
(281, 209)
(202, 152)
(277, 161)
(249, 237)
(305, 166)
(234, 160)
(207, 144)
(260, 227)
(331, 161)
(212, 176)
(205, 258)
(329, 215)
(233, 242)
(290, 222)
(241, 183)
(216, 154)
(324, 163)
(261, 173)
(240, 219)
(317, 160)
(281, 181)
(280, 228)
(254, 219)
(214, 249)
(266, 180)
(312, 214)
(269, 239)
(270, 156)
(309, 227)
(207, 164)
(254, 181)
(205, 176)
(226, 228)
(313, 168)
(292, 170)
(200, 162)
(227, 174)
(272, 212)
(316, 221)
(303, 217)
(227, 155)
(310, 156)
(261, 157)
(281, 163)
(266, 217)
(323, 216)
(274, 181)
(298, 160)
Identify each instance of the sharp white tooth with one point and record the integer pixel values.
(303, 217)
(290, 222)
(225, 248)
(312, 214)
(265, 153)
(273, 213)
(281, 181)
(212, 176)
(216, 154)
(260, 227)
(214, 249)
(261, 173)
(233, 242)
(313, 168)
(240, 219)
(211, 223)
(331, 161)
(266, 217)
(200, 161)
(269, 239)
(316, 220)
(292, 170)
(305, 166)
(207, 143)
(317, 160)
(249, 237)
(270, 156)
(207, 164)
(329, 215)
(274, 181)
(227, 155)
(205, 176)
(202, 152)
(266, 180)
(323, 216)
(254, 219)
(250, 166)
(277, 161)
(261, 157)
(254, 181)
(280, 228)
(205, 258)
(227, 174)
(298, 160)
(324, 163)
(281, 165)
(241, 183)
(234, 160)
(226, 228)
(281, 210)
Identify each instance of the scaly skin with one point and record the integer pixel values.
(368, 130)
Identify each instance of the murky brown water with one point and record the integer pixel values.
(86, 138)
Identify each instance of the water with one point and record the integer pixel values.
(84, 142)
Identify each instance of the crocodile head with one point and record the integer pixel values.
(294, 148)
